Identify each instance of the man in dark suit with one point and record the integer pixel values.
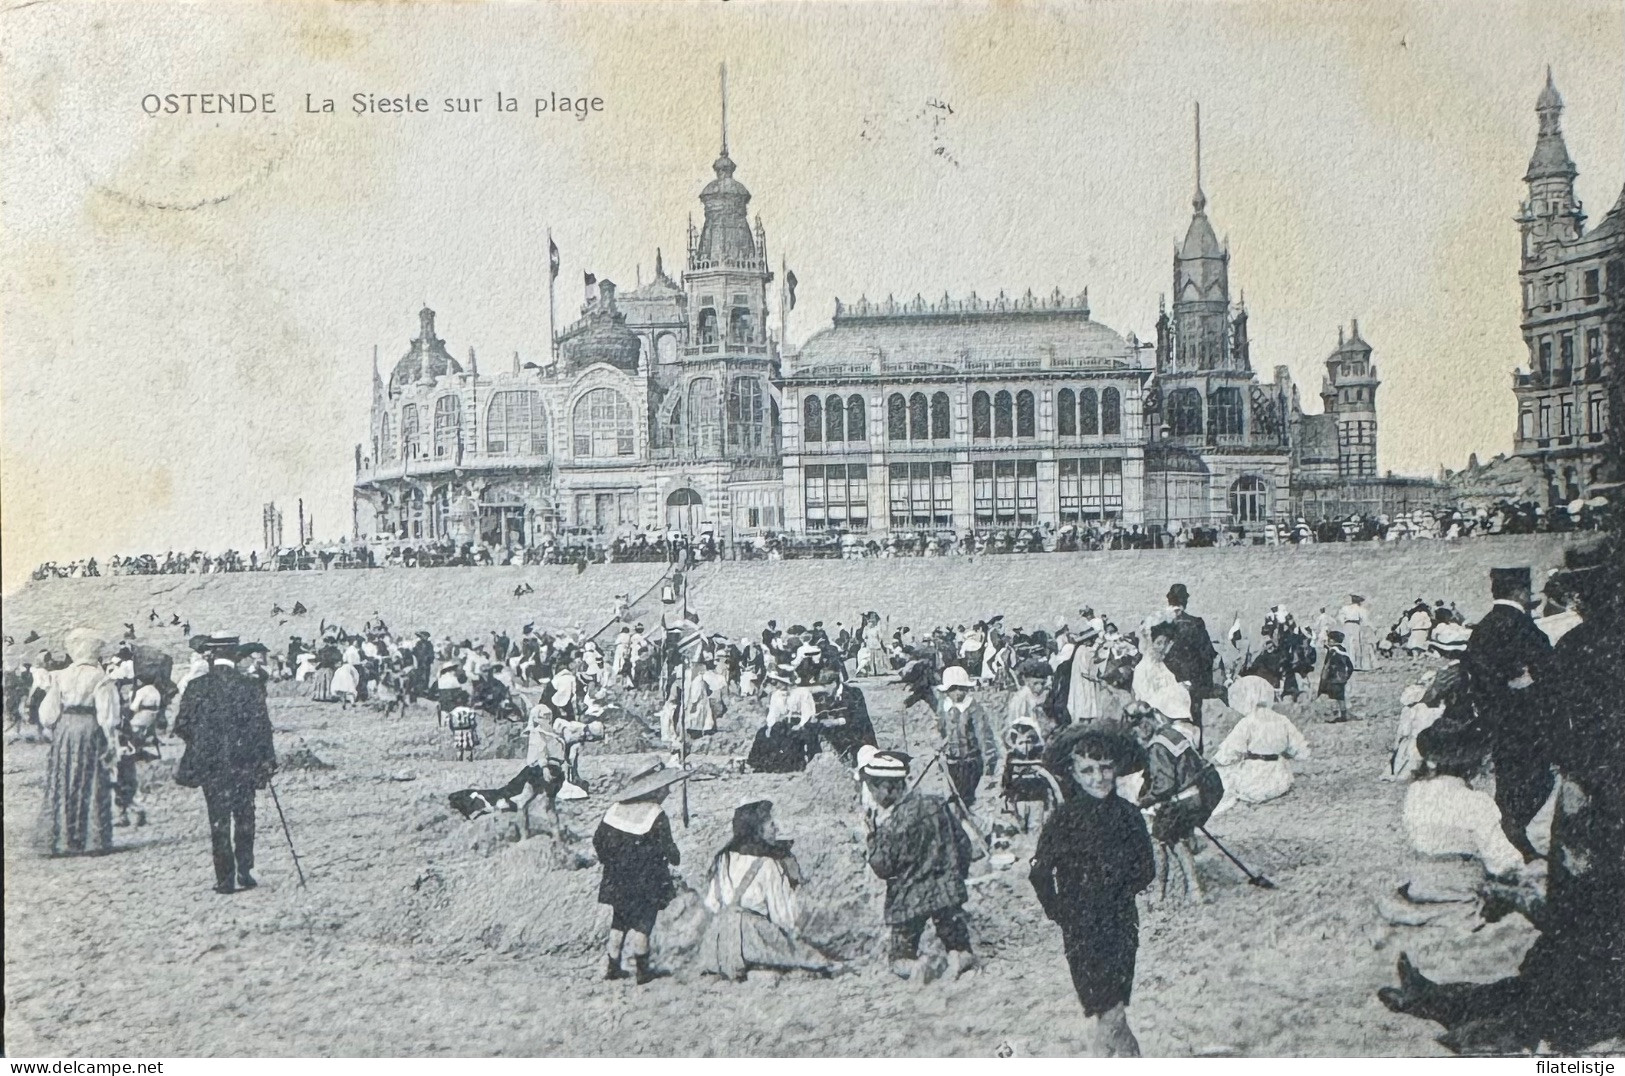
(227, 729)
(1191, 657)
(1506, 655)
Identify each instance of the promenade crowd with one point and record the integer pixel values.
(581, 548)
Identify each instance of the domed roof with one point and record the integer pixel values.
(426, 359)
(726, 236)
(605, 338)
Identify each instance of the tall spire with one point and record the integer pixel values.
(1200, 201)
(722, 72)
(1551, 157)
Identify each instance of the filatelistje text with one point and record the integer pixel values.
(365, 104)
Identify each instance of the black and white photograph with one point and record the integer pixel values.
(813, 530)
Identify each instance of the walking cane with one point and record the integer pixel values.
(284, 819)
(1252, 879)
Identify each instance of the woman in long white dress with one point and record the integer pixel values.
(1354, 617)
(81, 709)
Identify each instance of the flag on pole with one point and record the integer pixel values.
(552, 258)
(790, 287)
(589, 279)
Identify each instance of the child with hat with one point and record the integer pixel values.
(635, 846)
(923, 852)
(969, 748)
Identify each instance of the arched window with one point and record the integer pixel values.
(1249, 500)
(410, 432)
(941, 428)
(739, 329)
(602, 425)
(1003, 418)
(857, 418)
(1066, 413)
(1088, 413)
(1026, 419)
(448, 425)
(386, 440)
(745, 413)
(666, 347)
(707, 326)
(1185, 412)
(919, 418)
(896, 417)
(1224, 410)
(812, 419)
(515, 424)
(703, 415)
(834, 419)
(1111, 411)
(981, 416)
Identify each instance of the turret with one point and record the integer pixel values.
(1552, 213)
(1202, 336)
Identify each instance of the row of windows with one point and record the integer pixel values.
(700, 415)
(1091, 489)
(602, 425)
(1000, 415)
(1183, 415)
(837, 496)
(921, 494)
(1565, 351)
(1538, 421)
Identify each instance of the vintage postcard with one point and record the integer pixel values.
(813, 529)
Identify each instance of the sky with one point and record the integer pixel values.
(189, 305)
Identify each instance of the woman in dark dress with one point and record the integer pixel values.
(635, 847)
(1093, 856)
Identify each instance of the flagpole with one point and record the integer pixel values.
(552, 307)
(784, 312)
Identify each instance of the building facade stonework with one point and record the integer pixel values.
(671, 406)
(1573, 283)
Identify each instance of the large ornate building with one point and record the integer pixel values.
(1573, 285)
(658, 411)
(965, 414)
(670, 406)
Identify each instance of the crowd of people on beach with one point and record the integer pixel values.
(653, 546)
(1091, 734)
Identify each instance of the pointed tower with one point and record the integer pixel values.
(1201, 340)
(727, 276)
(1552, 214)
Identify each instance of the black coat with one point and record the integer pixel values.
(636, 871)
(1190, 659)
(1503, 646)
(227, 729)
(1093, 856)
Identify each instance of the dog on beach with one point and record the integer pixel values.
(535, 781)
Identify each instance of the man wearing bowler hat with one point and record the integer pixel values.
(227, 729)
(1190, 658)
(1506, 655)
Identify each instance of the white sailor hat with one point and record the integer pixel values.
(873, 762)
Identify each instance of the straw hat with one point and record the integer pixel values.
(650, 781)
